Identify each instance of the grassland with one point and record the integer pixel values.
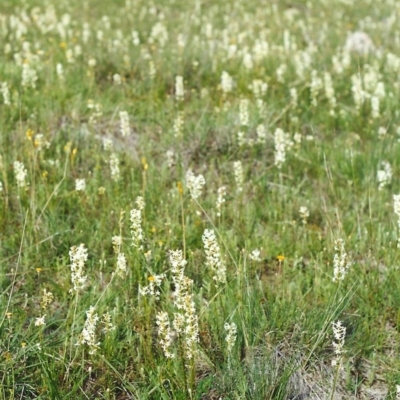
(198, 199)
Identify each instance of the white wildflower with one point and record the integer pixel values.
(5, 91)
(124, 123)
(255, 255)
(375, 105)
(384, 175)
(359, 42)
(226, 83)
(315, 87)
(244, 112)
(282, 142)
(136, 226)
(88, 334)
(170, 158)
(238, 172)
(78, 256)
(117, 79)
(108, 326)
(261, 134)
(220, 199)
(121, 265)
(47, 299)
(152, 289)
(29, 76)
(40, 321)
(213, 256)
(259, 88)
(20, 174)
(341, 261)
(179, 89)
(339, 333)
(60, 72)
(330, 92)
(80, 185)
(165, 333)
(230, 338)
(396, 207)
(293, 97)
(114, 167)
(304, 214)
(178, 124)
(195, 184)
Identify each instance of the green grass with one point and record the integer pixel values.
(284, 303)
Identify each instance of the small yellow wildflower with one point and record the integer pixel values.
(29, 134)
(180, 188)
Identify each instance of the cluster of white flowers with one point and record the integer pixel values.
(185, 322)
(152, 289)
(293, 97)
(125, 128)
(195, 184)
(396, 206)
(96, 113)
(80, 185)
(78, 256)
(117, 243)
(40, 321)
(5, 93)
(261, 134)
(108, 326)
(304, 214)
(179, 88)
(20, 174)
(315, 87)
(60, 72)
(179, 122)
(121, 265)
(341, 261)
(88, 334)
(220, 199)
(238, 173)
(231, 331)
(255, 255)
(244, 112)
(136, 224)
(384, 175)
(359, 42)
(259, 88)
(170, 158)
(213, 256)
(117, 79)
(330, 92)
(339, 333)
(282, 142)
(114, 167)
(29, 76)
(226, 83)
(46, 300)
(165, 333)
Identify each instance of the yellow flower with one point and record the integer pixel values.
(29, 134)
(151, 278)
(280, 258)
(180, 187)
